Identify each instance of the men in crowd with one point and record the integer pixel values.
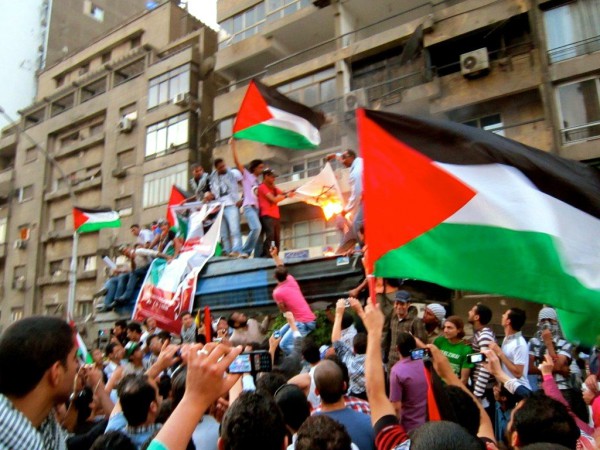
(250, 203)
(352, 356)
(322, 432)
(408, 386)
(143, 236)
(119, 331)
(198, 184)
(433, 318)
(188, 328)
(224, 187)
(137, 409)
(288, 296)
(479, 316)
(269, 196)
(38, 364)
(134, 332)
(403, 322)
(330, 386)
(114, 353)
(134, 357)
(354, 204)
(151, 329)
(245, 330)
(154, 346)
(514, 353)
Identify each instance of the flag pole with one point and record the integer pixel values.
(72, 276)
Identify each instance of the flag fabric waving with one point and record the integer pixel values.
(323, 190)
(482, 213)
(88, 219)
(270, 117)
(177, 196)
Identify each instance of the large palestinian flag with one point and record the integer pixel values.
(94, 219)
(270, 117)
(469, 209)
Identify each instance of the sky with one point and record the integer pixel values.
(205, 10)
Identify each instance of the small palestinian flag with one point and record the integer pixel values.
(270, 117)
(88, 219)
(469, 209)
(177, 196)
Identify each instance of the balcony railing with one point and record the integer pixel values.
(580, 133)
(575, 49)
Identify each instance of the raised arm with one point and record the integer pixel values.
(340, 308)
(274, 251)
(236, 160)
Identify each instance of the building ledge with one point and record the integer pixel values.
(63, 278)
(80, 145)
(83, 186)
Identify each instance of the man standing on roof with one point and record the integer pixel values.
(269, 197)
(354, 206)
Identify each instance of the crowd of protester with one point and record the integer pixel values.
(390, 379)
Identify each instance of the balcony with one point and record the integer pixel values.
(83, 143)
(80, 187)
(6, 182)
(573, 50)
(8, 141)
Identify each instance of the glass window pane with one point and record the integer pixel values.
(311, 95)
(327, 90)
(260, 12)
(238, 24)
(150, 143)
(153, 96)
(161, 140)
(579, 103)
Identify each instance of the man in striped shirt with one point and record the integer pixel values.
(479, 316)
(38, 365)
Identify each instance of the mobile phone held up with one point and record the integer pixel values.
(420, 353)
(251, 362)
(475, 358)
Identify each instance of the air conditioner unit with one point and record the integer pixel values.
(119, 172)
(355, 99)
(20, 244)
(126, 125)
(474, 63)
(181, 99)
(20, 284)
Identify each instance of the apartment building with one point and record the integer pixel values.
(121, 120)
(528, 70)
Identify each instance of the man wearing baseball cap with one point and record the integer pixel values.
(403, 323)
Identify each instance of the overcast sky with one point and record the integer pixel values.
(205, 10)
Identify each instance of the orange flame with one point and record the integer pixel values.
(330, 208)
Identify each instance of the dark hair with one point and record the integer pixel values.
(351, 153)
(540, 418)
(466, 412)
(459, 324)
(310, 351)
(150, 338)
(484, 313)
(178, 386)
(184, 313)
(443, 435)
(194, 165)
(217, 162)
(393, 282)
(405, 342)
(321, 432)
(281, 273)
(329, 381)
(28, 348)
(359, 343)
(269, 382)
(254, 164)
(136, 395)
(544, 446)
(145, 322)
(230, 320)
(110, 348)
(253, 418)
(121, 323)
(134, 326)
(293, 405)
(113, 440)
(347, 320)
(517, 318)
(81, 403)
(135, 225)
(164, 335)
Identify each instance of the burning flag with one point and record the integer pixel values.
(323, 191)
(270, 117)
(486, 214)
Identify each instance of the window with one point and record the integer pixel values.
(165, 87)
(59, 80)
(59, 223)
(93, 89)
(488, 123)
(106, 57)
(96, 128)
(55, 268)
(157, 185)
(69, 139)
(572, 29)
(313, 233)
(225, 129)
(135, 42)
(126, 73)
(93, 11)
(16, 314)
(276, 9)
(84, 308)
(89, 263)
(19, 277)
(84, 68)
(34, 118)
(242, 25)
(124, 205)
(315, 89)
(25, 193)
(3, 229)
(30, 154)
(62, 104)
(166, 135)
(580, 110)
(126, 159)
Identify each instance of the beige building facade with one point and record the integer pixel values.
(121, 120)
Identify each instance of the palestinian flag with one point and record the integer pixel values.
(270, 117)
(469, 209)
(178, 195)
(88, 219)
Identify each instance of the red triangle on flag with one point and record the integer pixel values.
(79, 218)
(404, 193)
(253, 110)
(175, 199)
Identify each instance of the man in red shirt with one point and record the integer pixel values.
(269, 197)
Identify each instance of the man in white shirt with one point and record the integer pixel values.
(354, 205)
(514, 353)
(143, 236)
